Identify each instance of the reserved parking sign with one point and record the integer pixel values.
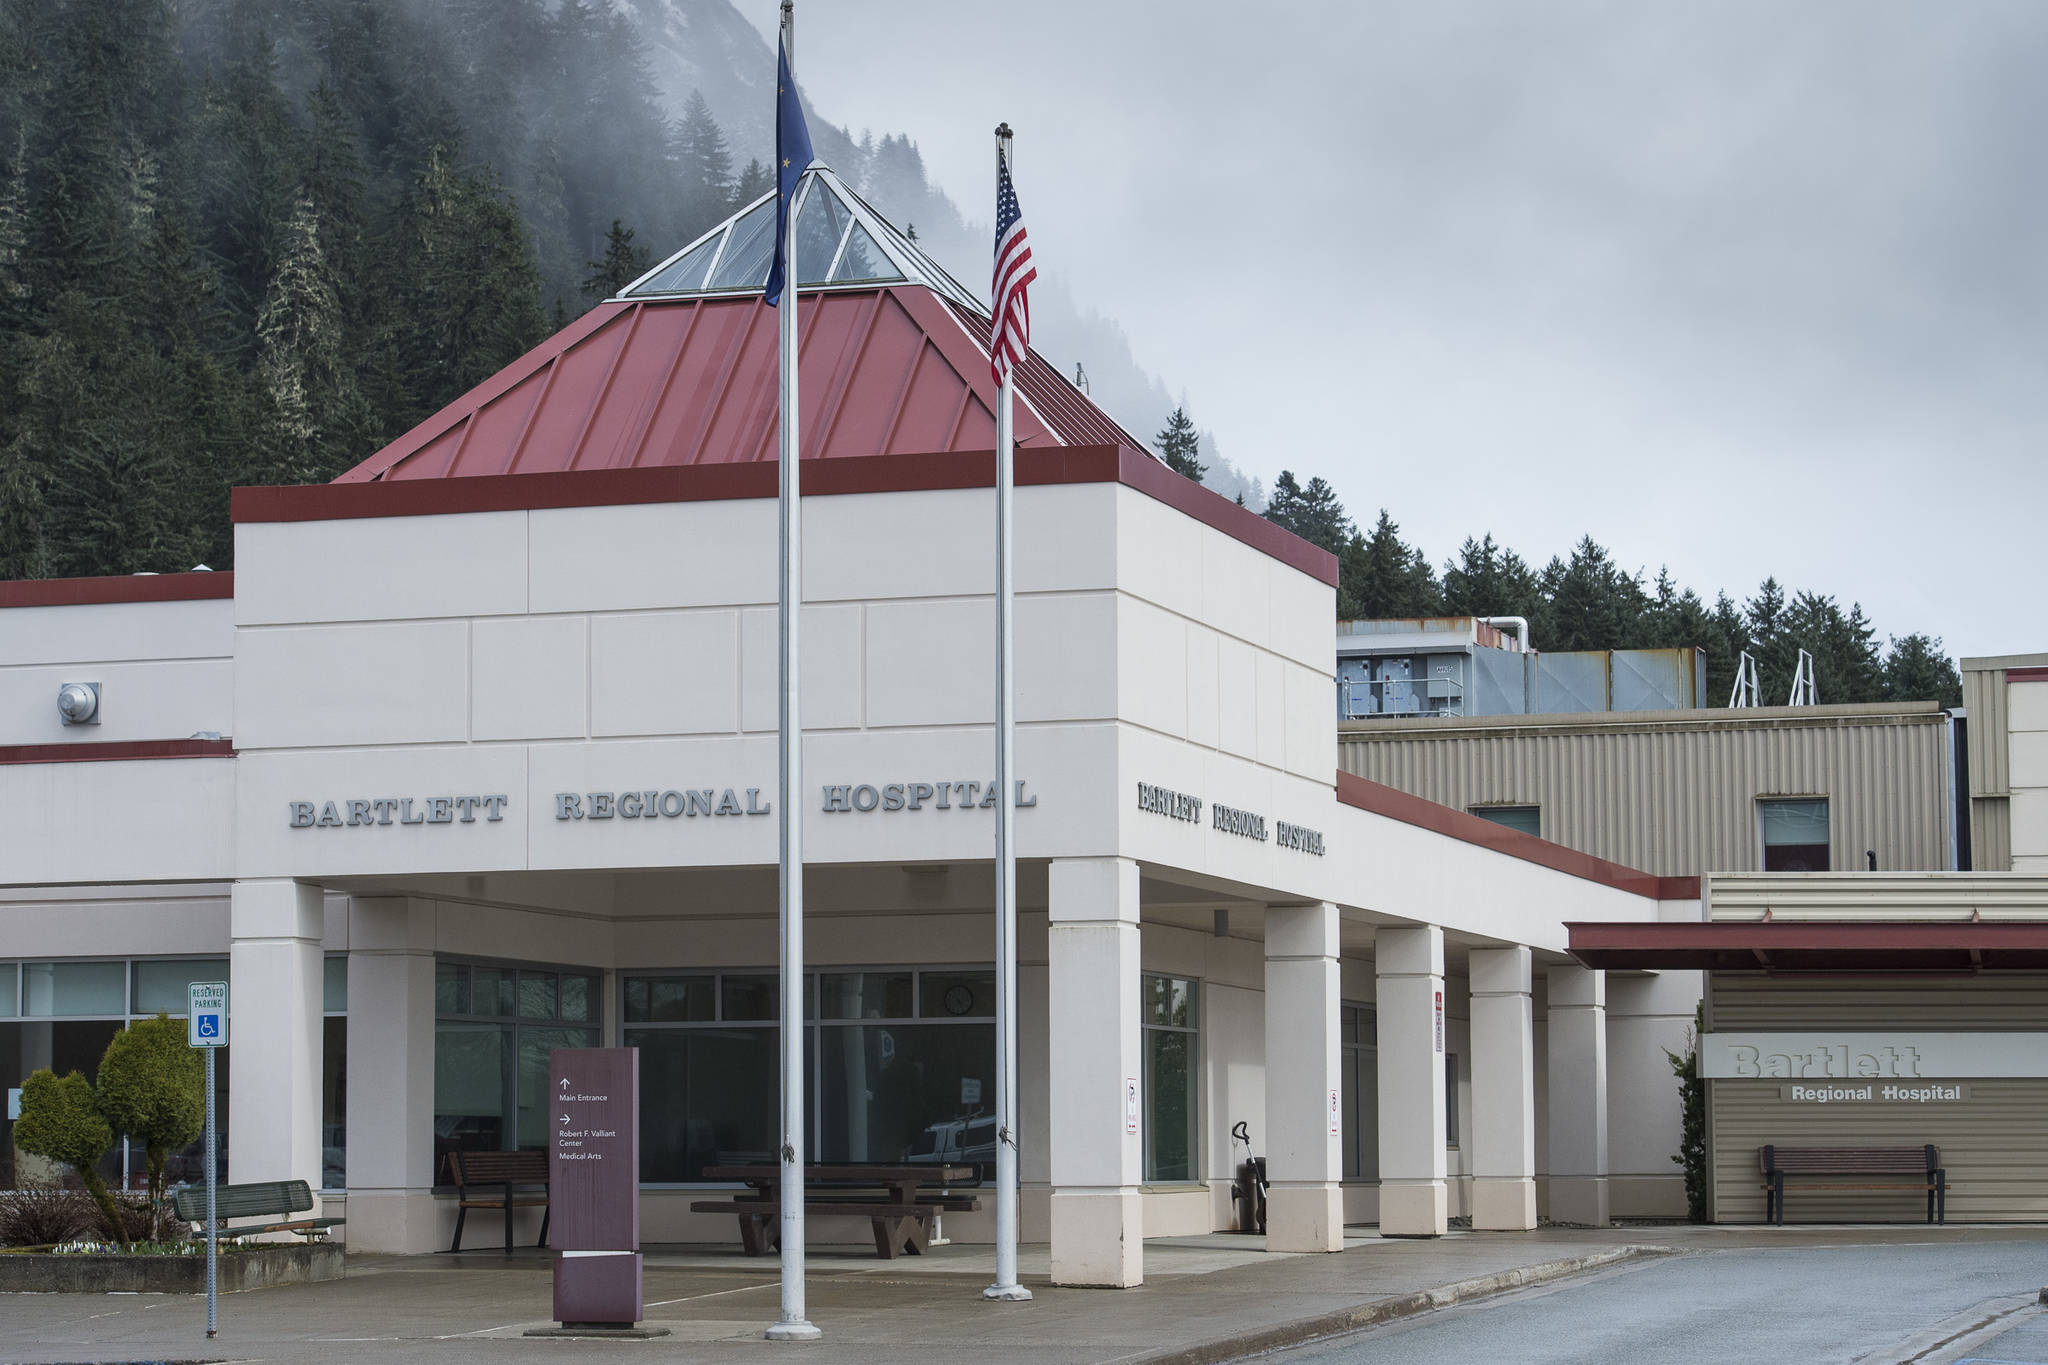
(206, 1014)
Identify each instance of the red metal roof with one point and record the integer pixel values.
(892, 370)
(1813, 945)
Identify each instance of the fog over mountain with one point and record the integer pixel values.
(709, 47)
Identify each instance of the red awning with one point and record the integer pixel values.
(1813, 946)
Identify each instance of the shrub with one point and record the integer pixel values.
(36, 1218)
(1692, 1103)
(60, 1120)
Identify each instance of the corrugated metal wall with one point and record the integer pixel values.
(1674, 793)
(1990, 769)
(1911, 896)
(1994, 1144)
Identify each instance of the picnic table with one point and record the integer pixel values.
(900, 1201)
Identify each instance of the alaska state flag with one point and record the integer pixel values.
(792, 159)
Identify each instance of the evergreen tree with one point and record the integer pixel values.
(755, 181)
(469, 291)
(622, 264)
(1593, 604)
(1380, 575)
(1917, 668)
(1846, 665)
(1311, 512)
(1180, 444)
(1777, 655)
(1727, 638)
(704, 167)
(319, 422)
(1487, 579)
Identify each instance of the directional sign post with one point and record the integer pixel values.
(594, 1191)
(206, 1028)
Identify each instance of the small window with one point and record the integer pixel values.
(1795, 835)
(1527, 819)
(333, 983)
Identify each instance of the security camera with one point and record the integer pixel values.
(79, 703)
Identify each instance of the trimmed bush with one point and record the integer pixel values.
(61, 1120)
(152, 1088)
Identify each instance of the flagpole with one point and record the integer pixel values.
(1006, 1286)
(794, 1326)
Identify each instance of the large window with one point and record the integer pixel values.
(1795, 835)
(493, 1030)
(1359, 1031)
(1172, 1061)
(61, 1015)
(900, 1061)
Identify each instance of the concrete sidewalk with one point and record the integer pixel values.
(1206, 1299)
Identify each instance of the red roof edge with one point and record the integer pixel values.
(1413, 810)
(1810, 945)
(757, 479)
(1152, 478)
(121, 750)
(139, 587)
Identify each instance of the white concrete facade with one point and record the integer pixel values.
(472, 670)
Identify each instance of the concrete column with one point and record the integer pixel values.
(1410, 965)
(391, 1076)
(1503, 1090)
(276, 926)
(1095, 1103)
(1304, 1158)
(1578, 1095)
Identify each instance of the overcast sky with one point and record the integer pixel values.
(1741, 288)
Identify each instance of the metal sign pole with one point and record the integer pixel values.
(206, 1028)
(212, 1219)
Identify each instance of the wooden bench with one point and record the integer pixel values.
(272, 1199)
(893, 1199)
(513, 1176)
(1909, 1168)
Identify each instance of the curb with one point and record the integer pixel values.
(1281, 1335)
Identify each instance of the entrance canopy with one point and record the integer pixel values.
(1812, 946)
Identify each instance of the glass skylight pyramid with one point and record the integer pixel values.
(841, 242)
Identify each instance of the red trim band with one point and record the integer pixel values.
(757, 479)
(138, 587)
(1413, 810)
(1811, 945)
(89, 751)
(2013, 675)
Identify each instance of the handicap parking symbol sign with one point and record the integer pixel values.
(207, 1012)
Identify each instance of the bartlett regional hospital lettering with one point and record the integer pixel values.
(709, 802)
(1157, 800)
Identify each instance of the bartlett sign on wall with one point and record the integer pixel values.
(710, 802)
(1870, 1056)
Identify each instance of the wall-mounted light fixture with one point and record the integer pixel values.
(79, 703)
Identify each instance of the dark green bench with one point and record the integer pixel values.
(276, 1200)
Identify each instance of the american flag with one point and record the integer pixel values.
(1011, 331)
